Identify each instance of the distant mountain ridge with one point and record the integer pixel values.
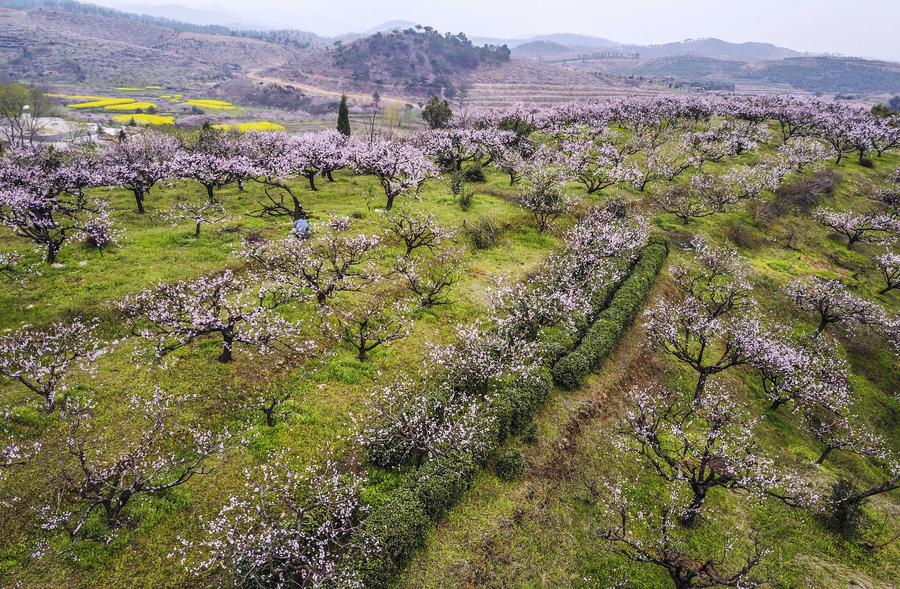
(197, 16)
(569, 46)
(717, 49)
(65, 41)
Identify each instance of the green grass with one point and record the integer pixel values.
(543, 530)
(539, 531)
(324, 392)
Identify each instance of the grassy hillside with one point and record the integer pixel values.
(316, 420)
(421, 61)
(544, 529)
(535, 516)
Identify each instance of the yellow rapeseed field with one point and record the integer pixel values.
(255, 126)
(131, 106)
(211, 104)
(99, 102)
(145, 119)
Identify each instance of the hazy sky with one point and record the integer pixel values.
(867, 28)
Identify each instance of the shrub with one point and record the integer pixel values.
(510, 464)
(483, 233)
(457, 183)
(466, 198)
(766, 212)
(842, 517)
(513, 404)
(439, 484)
(399, 526)
(805, 192)
(743, 236)
(570, 371)
(474, 173)
(531, 395)
(605, 333)
(555, 343)
(530, 434)
(602, 339)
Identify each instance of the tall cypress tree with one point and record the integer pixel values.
(343, 124)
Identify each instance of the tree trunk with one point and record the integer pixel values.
(701, 386)
(312, 181)
(689, 517)
(822, 324)
(329, 176)
(49, 402)
(209, 193)
(888, 485)
(824, 454)
(390, 202)
(52, 252)
(226, 355)
(298, 212)
(139, 200)
(114, 510)
(197, 230)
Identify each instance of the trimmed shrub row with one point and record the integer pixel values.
(604, 334)
(401, 523)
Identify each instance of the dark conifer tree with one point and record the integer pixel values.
(343, 123)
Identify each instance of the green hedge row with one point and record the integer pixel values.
(401, 523)
(611, 324)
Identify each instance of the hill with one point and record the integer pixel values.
(53, 42)
(569, 46)
(809, 74)
(574, 40)
(541, 50)
(417, 61)
(715, 49)
(199, 16)
(834, 74)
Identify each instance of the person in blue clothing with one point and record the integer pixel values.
(300, 229)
